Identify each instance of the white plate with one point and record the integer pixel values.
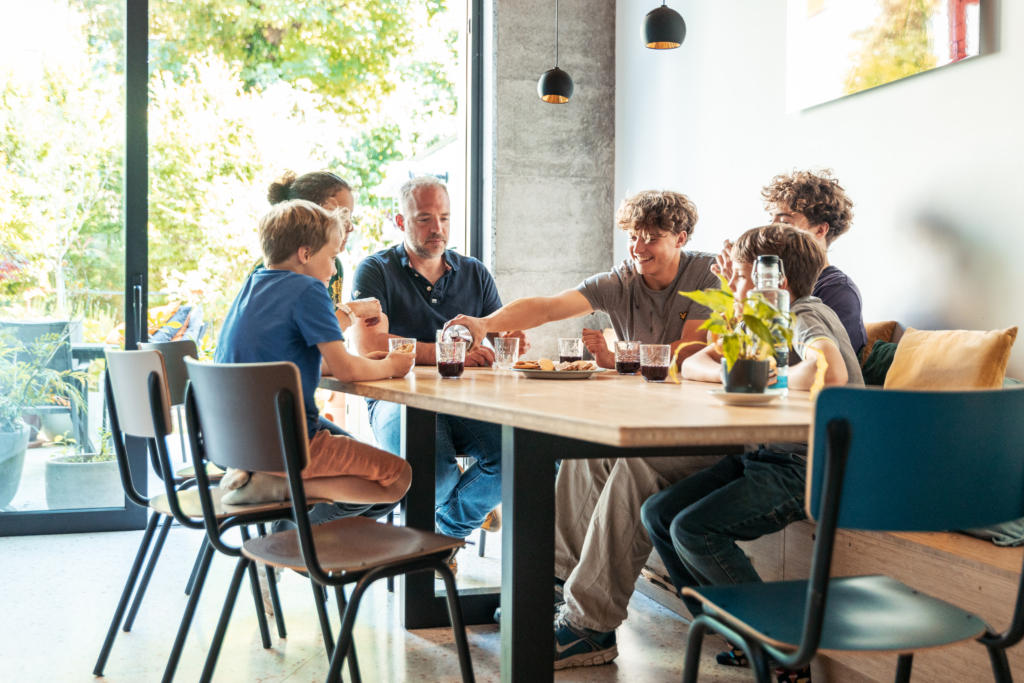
(557, 374)
(734, 399)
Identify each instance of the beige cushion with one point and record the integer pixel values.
(951, 360)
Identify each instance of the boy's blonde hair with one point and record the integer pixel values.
(298, 223)
(653, 213)
(802, 258)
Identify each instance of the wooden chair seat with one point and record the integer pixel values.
(189, 502)
(212, 471)
(353, 544)
(863, 613)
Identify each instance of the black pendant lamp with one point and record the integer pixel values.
(663, 28)
(555, 86)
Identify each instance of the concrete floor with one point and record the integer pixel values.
(60, 593)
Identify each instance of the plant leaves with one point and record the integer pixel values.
(755, 325)
(731, 349)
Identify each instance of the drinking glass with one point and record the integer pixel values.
(627, 357)
(402, 345)
(654, 360)
(451, 359)
(506, 352)
(570, 350)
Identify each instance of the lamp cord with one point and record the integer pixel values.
(556, 34)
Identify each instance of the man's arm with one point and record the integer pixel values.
(525, 314)
(691, 333)
(801, 375)
(370, 338)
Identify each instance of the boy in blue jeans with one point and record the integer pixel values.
(284, 313)
(695, 524)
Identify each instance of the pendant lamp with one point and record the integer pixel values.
(663, 28)
(555, 86)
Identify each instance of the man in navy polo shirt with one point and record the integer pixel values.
(421, 285)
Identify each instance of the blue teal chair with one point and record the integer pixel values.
(883, 461)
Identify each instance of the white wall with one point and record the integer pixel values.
(933, 163)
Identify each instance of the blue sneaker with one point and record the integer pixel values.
(577, 646)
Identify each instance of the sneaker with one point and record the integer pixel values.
(734, 657)
(559, 601)
(452, 563)
(261, 574)
(577, 646)
(789, 676)
(492, 523)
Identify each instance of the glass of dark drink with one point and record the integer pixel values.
(570, 350)
(654, 360)
(451, 359)
(627, 357)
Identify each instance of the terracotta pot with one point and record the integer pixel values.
(747, 376)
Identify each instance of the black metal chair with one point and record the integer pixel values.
(270, 436)
(883, 461)
(139, 405)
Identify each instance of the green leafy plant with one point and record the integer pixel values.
(26, 381)
(748, 331)
(70, 449)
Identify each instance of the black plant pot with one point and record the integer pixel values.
(747, 376)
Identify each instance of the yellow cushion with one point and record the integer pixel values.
(951, 360)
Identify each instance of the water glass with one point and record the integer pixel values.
(627, 357)
(570, 350)
(451, 359)
(506, 352)
(402, 345)
(654, 360)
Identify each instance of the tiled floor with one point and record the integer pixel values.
(59, 593)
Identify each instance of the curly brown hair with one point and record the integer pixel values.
(653, 213)
(802, 258)
(818, 196)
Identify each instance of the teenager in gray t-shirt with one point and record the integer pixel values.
(647, 315)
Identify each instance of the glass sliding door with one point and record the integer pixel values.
(72, 254)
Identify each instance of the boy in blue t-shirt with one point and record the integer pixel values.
(285, 313)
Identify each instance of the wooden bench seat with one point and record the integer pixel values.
(969, 572)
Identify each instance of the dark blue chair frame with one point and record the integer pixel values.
(890, 461)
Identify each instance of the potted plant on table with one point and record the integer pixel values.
(77, 480)
(745, 332)
(26, 381)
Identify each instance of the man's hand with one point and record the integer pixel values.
(366, 309)
(476, 327)
(480, 357)
(596, 344)
(524, 341)
(401, 363)
(723, 262)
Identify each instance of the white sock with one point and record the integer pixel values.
(261, 488)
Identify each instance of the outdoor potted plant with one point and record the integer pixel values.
(25, 382)
(76, 480)
(745, 332)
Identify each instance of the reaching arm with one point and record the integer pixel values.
(525, 314)
(704, 366)
(349, 368)
(690, 334)
(801, 375)
(371, 338)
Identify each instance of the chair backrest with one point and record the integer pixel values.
(30, 332)
(237, 406)
(922, 461)
(129, 373)
(175, 353)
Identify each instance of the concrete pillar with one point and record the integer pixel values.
(554, 164)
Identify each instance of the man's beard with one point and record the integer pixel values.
(423, 252)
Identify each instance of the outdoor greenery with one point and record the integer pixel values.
(239, 92)
(71, 450)
(26, 381)
(895, 46)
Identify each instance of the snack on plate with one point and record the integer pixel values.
(405, 348)
(577, 366)
(527, 365)
(546, 364)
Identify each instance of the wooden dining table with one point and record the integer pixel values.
(543, 421)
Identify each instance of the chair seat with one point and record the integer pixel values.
(212, 471)
(353, 544)
(863, 613)
(191, 507)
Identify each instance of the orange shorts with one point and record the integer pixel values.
(335, 456)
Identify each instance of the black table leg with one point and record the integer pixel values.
(527, 556)
(422, 605)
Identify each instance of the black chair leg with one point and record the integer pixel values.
(458, 623)
(190, 610)
(694, 643)
(257, 595)
(146, 575)
(903, 666)
(1000, 665)
(320, 599)
(345, 646)
(275, 598)
(483, 543)
(759, 662)
(391, 579)
(195, 567)
(129, 586)
(353, 659)
(225, 617)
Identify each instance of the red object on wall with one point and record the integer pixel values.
(958, 28)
